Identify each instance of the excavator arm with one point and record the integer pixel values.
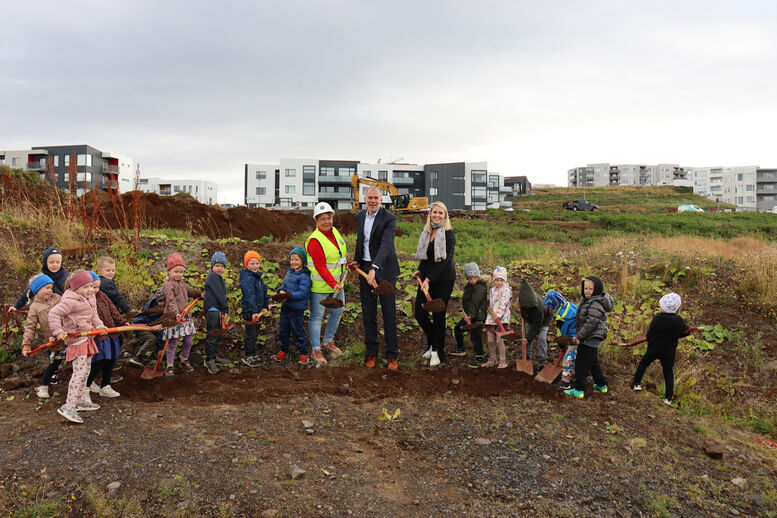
(356, 181)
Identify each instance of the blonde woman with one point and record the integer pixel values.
(437, 272)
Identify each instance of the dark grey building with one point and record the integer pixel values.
(94, 169)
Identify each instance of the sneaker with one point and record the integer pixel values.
(565, 384)
(303, 358)
(371, 361)
(186, 365)
(428, 354)
(169, 372)
(94, 388)
(281, 355)
(575, 393)
(107, 391)
(502, 365)
(490, 363)
(668, 402)
(87, 406)
(319, 357)
(636, 388)
(135, 360)
(42, 391)
(212, 367)
(222, 361)
(392, 364)
(253, 361)
(116, 378)
(476, 363)
(602, 389)
(334, 351)
(54, 379)
(71, 414)
(459, 352)
(434, 361)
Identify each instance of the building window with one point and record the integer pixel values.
(478, 206)
(291, 189)
(291, 172)
(367, 173)
(346, 171)
(383, 175)
(84, 160)
(327, 171)
(261, 175)
(457, 177)
(143, 180)
(479, 177)
(308, 189)
(740, 200)
(176, 188)
(15, 161)
(478, 192)
(750, 199)
(432, 191)
(261, 191)
(433, 175)
(749, 187)
(56, 160)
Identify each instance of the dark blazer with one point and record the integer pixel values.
(382, 250)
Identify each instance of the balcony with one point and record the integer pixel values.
(402, 180)
(505, 189)
(766, 188)
(505, 204)
(334, 196)
(35, 166)
(334, 180)
(110, 169)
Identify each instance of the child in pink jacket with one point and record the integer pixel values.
(44, 298)
(76, 313)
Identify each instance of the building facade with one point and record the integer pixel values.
(304, 182)
(601, 175)
(203, 191)
(94, 169)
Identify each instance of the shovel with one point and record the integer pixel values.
(524, 365)
(226, 327)
(502, 332)
(384, 288)
(95, 332)
(280, 297)
(331, 301)
(550, 372)
(469, 325)
(149, 374)
(432, 306)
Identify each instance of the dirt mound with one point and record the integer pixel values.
(184, 212)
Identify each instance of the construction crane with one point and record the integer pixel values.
(399, 202)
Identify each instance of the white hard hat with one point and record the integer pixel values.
(322, 208)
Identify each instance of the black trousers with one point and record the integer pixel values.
(250, 337)
(587, 362)
(50, 370)
(475, 336)
(388, 305)
(434, 327)
(667, 364)
(101, 366)
(212, 340)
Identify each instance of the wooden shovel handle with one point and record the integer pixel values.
(496, 319)
(358, 270)
(43, 347)
(466, 317)
(421, 285)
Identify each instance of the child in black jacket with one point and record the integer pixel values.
(474, 303)
(662, 335)
(215, 304)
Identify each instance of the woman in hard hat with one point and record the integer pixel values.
(327, 253)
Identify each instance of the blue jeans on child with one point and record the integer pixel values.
(293, 323)
(317, 316)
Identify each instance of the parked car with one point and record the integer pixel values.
(580, 205)
(689, 208)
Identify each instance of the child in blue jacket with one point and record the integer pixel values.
(298, 284)
(566, 324)
(254, 304)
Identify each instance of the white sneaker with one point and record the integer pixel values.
(666, 401)
(70, 414)
(107, 391)
(42, 391)
(428, 354)
(434, 361)
(88, 406)
(94, 387)
(636, 388)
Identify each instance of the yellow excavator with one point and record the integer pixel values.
(400, 202)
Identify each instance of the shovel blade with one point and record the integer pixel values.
(524, 366)
(563, 340)
(149, 373)
(383, 288)
(511, 335)
(549, 373)
(434, 306)
(280, 297)
(331, 302)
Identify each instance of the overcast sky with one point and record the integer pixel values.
(192, 89)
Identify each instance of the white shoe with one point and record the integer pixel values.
(70, 414)
(88, 406)
(94, 387)
(107, 391)
(666, 401)
(636, 388)
(42, 391)
(428, 354)
(434, 361)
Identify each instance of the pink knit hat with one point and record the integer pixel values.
(80, 279)
(174, 260)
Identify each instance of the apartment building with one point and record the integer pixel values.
(304, 182)
(601, 175)
(203, 191)
(94, 169)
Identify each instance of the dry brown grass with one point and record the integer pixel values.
(12, 255)
(738, 248)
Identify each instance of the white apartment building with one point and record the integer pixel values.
(203, 191)
(604, 174)
(735, 185)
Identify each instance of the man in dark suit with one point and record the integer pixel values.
(375, 255)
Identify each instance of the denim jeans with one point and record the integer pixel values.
(317, 316)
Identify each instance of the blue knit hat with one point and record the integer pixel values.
(218, 258)
(554, 300)
(300, 252)
(39, 282)
(95, 277)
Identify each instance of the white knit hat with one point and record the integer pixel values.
(670, 302)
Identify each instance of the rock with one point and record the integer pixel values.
(755, 498)
(113, 486)
(356, 449)
(739, 481)
(13, 383)
(547, 427)
(482, 441)
(269, 513)
(307, 424)
(5, 370)
(295, 472)
(713, 449)
(769, 366)
(637, 442)
(309, 431)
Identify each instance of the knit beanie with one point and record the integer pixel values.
(95, 277)
(251, 254)
(500, 272)
(174, 260)
(471, 270)
(300, 252)
(670, 302)
(554, 300)
(80, 279)
(218, 258)
(39, 282)
(46, 253)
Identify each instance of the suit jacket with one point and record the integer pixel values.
(382, 250)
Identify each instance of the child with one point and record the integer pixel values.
(662, 335)
(52, 266)
(106, 269)
(297, 282)
(537, 318)
(474, 302)
(254, 304)
(566, 325)
(591, 331)
(41, 288)
(75, 313)
(215, 305)
(176, 293)
(149, 340)
(500, 298)
(109, 347)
